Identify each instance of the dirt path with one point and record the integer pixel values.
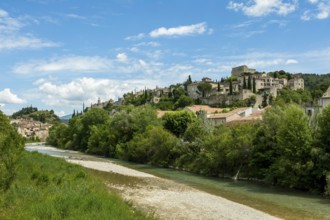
(167, 199)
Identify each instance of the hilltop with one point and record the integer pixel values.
(44, 116)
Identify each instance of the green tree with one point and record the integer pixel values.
(322, 140)
(293, 167)
(204, 87)
(254, 85)
(11, 146)
(177, 122)
(178, 92)
(156, 145)
(230, 87)
(184, 101)
(101, 141)
(249, 85)
(58, 135)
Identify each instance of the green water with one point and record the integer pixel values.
(286, 204)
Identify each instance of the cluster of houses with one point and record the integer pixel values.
(29, 128)
(244, 83)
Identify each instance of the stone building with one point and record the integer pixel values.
(238, 71)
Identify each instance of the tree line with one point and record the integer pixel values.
(286, 149)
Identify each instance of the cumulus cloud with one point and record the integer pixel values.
(257, 8)
(291, 61)
(135, 37)
(194, 29)
(70, 64)
(321, 11)
(88, 90)
(7, 97)
(122, 57)
(12, 38)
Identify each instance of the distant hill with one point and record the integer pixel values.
(33, 112)
(66, 117)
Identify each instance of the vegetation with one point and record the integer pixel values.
(11, 146)
(33, 113)
(284, 149)
(50, 188)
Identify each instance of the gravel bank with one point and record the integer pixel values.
(166, 199)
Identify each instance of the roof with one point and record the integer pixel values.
(206, 108)
(228, 114)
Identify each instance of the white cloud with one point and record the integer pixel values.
(257, 8)
(75, 16)
(321, 12)
(71, 64)
(306, 16)
(7, 97)
(135, 37)
(11, 38)
(291, 61)
(23, 42)
(88, 90)
(194, 29)
(122, 57)
(148, 44)
(324, 10)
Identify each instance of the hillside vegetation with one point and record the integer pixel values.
(37, 115)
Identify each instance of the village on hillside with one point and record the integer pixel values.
(256, 90)
(244, 84)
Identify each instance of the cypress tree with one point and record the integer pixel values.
(254, 85)
(230, 87)
(249, 83)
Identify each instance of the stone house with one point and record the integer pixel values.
(325, 99)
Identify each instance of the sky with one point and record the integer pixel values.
(59, 54)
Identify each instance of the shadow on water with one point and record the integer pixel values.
(287, 204)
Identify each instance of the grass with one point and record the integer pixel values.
(50, 188)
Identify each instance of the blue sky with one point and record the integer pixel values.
(58, 54)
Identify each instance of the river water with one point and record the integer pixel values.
(263, 197)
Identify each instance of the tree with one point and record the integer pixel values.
(244, 83)
(294, 166)
(177, 122)
(184, 101)
(178, 92)
(187, 82)
(254, 85)
(249, 85)
(230, 87)
(204, 87)
(155, 145)
(11, 146)
(322, 140)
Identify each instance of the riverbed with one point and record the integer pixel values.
(169, 194)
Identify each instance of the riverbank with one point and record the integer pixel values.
(50, 188)
(166, 199)
(286, 204)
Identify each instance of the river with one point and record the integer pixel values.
(282, 203)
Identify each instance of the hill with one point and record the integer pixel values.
(32, 112)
